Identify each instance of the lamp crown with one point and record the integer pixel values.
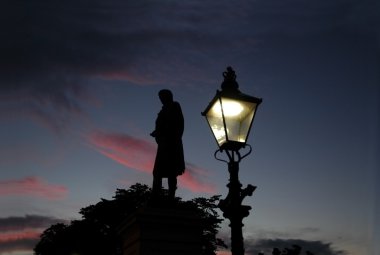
(230, 82)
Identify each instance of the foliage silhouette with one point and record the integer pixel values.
(96, 233)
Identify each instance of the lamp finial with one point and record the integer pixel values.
(229, 82)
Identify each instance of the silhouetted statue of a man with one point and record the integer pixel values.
(169, 161)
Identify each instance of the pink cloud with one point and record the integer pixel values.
(129, 151)
(19, 235)
(139, 154)
(128, 75)
(22, 233)
(192, 179)
(32, 186)
(20, 241)
(223, 253)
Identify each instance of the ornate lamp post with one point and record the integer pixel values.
(230, 115)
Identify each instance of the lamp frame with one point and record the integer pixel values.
(236, 95)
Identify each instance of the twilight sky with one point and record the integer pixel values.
(78, 99)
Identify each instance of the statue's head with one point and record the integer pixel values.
(166, 96)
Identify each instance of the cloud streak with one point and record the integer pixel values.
(32, 186)
(139, 154)
(74, 39)
(22, 233)
(49, 52)
(15, 236)
(52, 51)
(23, 243)
(50, 104)
(16, 223)
(267, 245)
(57, 42)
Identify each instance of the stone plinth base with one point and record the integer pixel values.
(161, 231)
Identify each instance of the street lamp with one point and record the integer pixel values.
(230, 115)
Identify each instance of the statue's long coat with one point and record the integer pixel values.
(168, 133)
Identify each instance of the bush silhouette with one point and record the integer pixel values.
(96, 232)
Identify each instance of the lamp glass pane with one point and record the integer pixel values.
(215, 120)
(238, 117)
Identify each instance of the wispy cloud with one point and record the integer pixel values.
(193, 179)
(52, 107)
(17, 223)
(10, 237)
(50, 52)
(65, 42)
(22, 233)
(139, 154)
(253, 247)
(32, 186)
(264, 241)
(20, 243)
(132, 152)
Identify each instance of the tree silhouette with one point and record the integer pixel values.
(96, 233)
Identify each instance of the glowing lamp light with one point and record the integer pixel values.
(231, 108)
(230, 114)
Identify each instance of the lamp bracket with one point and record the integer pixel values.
(233, 155)
(249, 152)
(216, 157)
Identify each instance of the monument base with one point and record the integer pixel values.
(161, 231)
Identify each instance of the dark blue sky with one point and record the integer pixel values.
(78, 99)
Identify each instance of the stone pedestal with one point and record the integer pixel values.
(161, 231)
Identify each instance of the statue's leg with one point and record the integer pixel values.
(172, 183)
(157, 185)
